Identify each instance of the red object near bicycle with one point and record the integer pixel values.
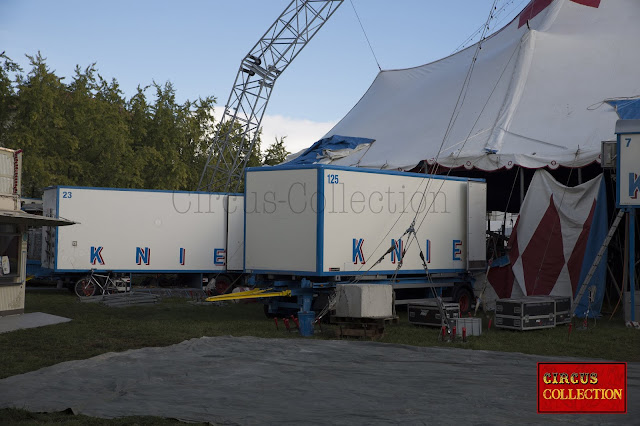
(85, 288)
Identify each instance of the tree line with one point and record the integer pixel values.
(85, 132)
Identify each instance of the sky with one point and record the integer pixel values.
(198, 46)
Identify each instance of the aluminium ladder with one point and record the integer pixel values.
(596, 261)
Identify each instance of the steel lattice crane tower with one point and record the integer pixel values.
(240, 124)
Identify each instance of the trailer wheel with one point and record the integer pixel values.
(223, 282)
(464, 297)
(85, 287)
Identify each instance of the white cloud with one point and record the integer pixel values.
(300, 133)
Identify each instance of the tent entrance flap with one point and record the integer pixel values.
(557, 237)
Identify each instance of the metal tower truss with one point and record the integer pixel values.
(239, 126)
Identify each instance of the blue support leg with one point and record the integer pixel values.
(306, 316)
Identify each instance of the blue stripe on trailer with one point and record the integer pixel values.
(146, 271)
(320, 222)
(168, 191)
(244, 224)
(363, 170)
(55, 246)
(353, 273)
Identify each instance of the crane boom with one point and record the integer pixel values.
(239, 126)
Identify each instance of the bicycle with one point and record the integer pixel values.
(88, 286)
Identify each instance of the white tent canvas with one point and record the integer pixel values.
(536, 96)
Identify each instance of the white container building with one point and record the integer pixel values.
(142, 231)
(323, 221)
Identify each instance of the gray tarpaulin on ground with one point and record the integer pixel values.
(247, 380)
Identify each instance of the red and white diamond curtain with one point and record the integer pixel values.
(558, 233)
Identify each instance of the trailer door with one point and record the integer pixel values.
(476, 233)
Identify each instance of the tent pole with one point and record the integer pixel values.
(614, 281)
(625, 269)
(632, 260)
(625, 264)
(489, 221)
(521, 188)
(638, 261)
(579, 176)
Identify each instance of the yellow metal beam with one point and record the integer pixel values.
(250, 294)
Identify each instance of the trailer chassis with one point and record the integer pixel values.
(308, 294)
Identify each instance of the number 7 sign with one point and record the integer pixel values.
(628, 163)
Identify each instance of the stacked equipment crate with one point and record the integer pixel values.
(526, 313)
(563, 309)
(428, 313)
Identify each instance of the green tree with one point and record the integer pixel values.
(162, 167)
(39, 126)
(87, 133)
(98, 125)
(276, 153)
(8, 96)
(200, 125)
(235, 140)
(171, 145)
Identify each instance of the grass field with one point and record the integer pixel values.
(97, 329)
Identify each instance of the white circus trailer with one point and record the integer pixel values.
(142, 231)
(322, 221)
